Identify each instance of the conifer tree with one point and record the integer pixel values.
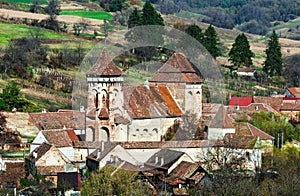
(135, 19)
(151, 16)
(240, 53)
(211, 41)
(195, 31)
(273, 62)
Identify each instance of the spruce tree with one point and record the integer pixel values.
(211, 41)
(240, 53)
(135, 19)
(151, 16)
(195, 31)
(273, 62)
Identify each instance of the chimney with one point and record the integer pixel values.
(44, 110)
(237, 107)
(162, 161)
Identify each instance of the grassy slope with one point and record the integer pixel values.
(12, 31)
(99, 15)
(44, 2)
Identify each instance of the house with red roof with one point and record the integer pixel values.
(240, 101)
(62, 139)
(116, 112)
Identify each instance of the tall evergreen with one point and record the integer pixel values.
(135, 19)
(195, 31)
(211, 41)
(151, 16)
(273, 62)
(240, 53)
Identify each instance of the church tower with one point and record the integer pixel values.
(183, 83)
(105, 82)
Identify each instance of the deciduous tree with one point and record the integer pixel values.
(113, 181)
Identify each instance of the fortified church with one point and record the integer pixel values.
(116, 112)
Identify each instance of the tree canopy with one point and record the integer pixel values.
(150, 16)
(273, 62)
(113, 181)
(240, 54)
(196, 32)
(211, 41)
(11, 98)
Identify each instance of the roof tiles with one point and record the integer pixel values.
(104, 66)
(240, 101)
(149, 102)
(177, 70)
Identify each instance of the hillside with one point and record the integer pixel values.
(57, 93)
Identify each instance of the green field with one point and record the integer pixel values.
(13, 31)
(24, 1)
(99, 15)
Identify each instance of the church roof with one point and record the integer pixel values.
(177, 70)
(150, 102)
(104, 66)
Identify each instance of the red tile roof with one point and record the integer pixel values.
(185, 170)
(169, 100)
(179, 61)
(72, 135)
(60, 137)
(59, 120)
(256, 132)
(240, 101)
(149, 102)
(274, 102)
(290, 107)
(295, 91)
(104, 66)
(177, 70)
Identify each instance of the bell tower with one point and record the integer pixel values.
(105, 83)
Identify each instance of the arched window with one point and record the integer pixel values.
(103, 134)
(154, 131)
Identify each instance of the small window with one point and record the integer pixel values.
(145, 130)
(155, 130)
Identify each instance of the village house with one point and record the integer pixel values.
(48, 161)
(62, 139)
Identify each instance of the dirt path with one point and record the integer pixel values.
(7, 13)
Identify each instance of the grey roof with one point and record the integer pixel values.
(168, 156)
